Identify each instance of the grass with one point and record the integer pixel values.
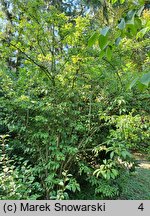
(137, 185)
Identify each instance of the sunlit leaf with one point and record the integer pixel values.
(102, 53)
(140, 11)
(108, 53)
(145, 79)
(122, 24)
(93, 39)
(103, 41)
(122, 1)
(142, 32)
(113, 1)
(105, 30)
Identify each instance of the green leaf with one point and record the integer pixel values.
(142, 32)
(112, 175)
(122, 1)
(102, 53)
(132, 30)
(93, 39)
(122, 24)
(105, 161)
(104, 174)
(117, 41)
(130, 22)
(130, 17)
(123, 153)
(108, 53)
(112, 154)
(69, 187)
(64, 173)
(105, 30)
(69, 175)
(145, 79)
(97, 172)
(61, 183)
(115, 172)
(113, 1)
(103, 41)
(141, 86)
(138, 23)
(140, 11)
(108, 175)
(133, 82)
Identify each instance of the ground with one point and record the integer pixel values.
(137, 187)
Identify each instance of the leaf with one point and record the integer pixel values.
(64, 173)
(112, 175)
(145, 79)
(61, 183)
(138, 23)
(130, 22)
(103, 41)
(97, 172)
(133, 82)
(140, 11)
(130, 17)
(122, 1)
(69, 175)
(108, 53)
(113, 1)
(141, 86)
(104, 174)
(108, 175)
(117, 41)
(69, 187)
(105, 161)
(132, 30)
(73, 188)
(123, 153)
(115, 172)
(105, 30)
(6, 169)
(102, 53)
(122, 24)
(112, 154)
(93, 39)
(142, 32)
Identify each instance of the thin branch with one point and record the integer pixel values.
(33, 61)
(115, 70)
(79, 146)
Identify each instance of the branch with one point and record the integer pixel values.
(115, 70)
(33, 61)
(79, 146)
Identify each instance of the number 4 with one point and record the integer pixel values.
(141, 207)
